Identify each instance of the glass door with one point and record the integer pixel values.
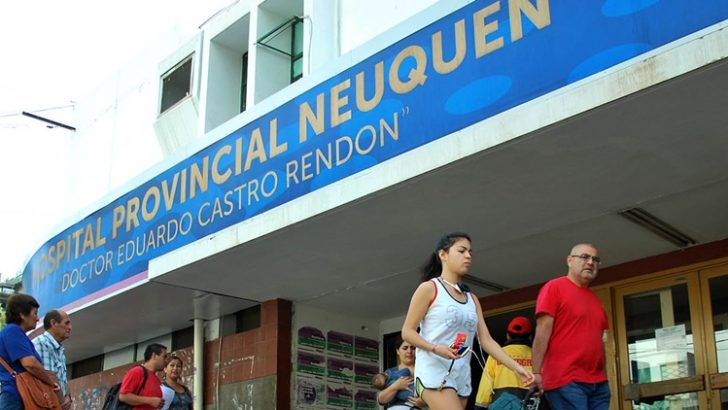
(660, 338)
(714, 285)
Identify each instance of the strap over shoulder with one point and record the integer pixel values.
(8, 368)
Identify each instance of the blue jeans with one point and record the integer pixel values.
(580, 396)
(10, 402)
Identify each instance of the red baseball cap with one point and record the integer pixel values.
(520, 325)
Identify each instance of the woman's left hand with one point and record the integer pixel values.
(445, 352)
(417, 401)
(526, 376)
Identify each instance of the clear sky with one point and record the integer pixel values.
(54, 53)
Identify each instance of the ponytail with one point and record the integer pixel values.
(433, 267)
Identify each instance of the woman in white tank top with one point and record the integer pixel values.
(443, 312)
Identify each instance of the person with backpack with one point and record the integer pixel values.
(141, 389)
(498, 380)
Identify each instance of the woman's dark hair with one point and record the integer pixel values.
(433, 267)
(19, 304)
(398, 341)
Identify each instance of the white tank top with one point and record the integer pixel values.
(444, 319)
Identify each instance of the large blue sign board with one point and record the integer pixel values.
(468, 66)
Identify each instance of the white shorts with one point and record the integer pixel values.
(431, 370)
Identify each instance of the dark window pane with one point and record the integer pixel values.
(297, 38)
(247, 319)
(87, 366)
(244, 83)
(183, 338)
(297, 69)
(176, 84)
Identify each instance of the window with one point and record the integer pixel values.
(227, 91)
(183, 338)
(293, 51)
(389, 349)
(297, 50)
(176, 84)
(241, 321)
(87, 366)
(247, 319)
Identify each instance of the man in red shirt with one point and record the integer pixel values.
(568, 351)
(141, 394)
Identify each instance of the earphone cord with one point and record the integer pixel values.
(480, 359)
(452, 362)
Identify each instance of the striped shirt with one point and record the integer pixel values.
(53, 356)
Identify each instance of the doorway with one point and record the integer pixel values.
(672, 335)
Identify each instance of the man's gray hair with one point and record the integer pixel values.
(53, 314)
(573, 249)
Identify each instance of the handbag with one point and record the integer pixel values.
(36, 395)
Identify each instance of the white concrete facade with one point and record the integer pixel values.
(120, 131)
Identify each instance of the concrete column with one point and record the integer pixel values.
(199, 353)
(320, 33)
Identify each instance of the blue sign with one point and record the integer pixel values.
(468, 66)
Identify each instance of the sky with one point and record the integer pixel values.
(53, 54)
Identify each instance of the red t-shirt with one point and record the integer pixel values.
(575, 352)
(133, 380)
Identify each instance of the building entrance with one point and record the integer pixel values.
(672, 337)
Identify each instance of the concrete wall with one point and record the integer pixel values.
(118, 358)
(255, 361)
(223, 86)
(360, 21)
(253, 394)
(115, 138)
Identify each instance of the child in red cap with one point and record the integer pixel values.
(498, 379)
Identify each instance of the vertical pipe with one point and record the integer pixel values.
(198, 349)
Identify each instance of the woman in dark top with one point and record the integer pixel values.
(391, 396)
(176, 395)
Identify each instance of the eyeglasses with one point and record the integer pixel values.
(405, 348)
(585, 257)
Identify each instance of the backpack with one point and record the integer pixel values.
(112, 401)
(506, 401)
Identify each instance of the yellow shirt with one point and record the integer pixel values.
(497, 376)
